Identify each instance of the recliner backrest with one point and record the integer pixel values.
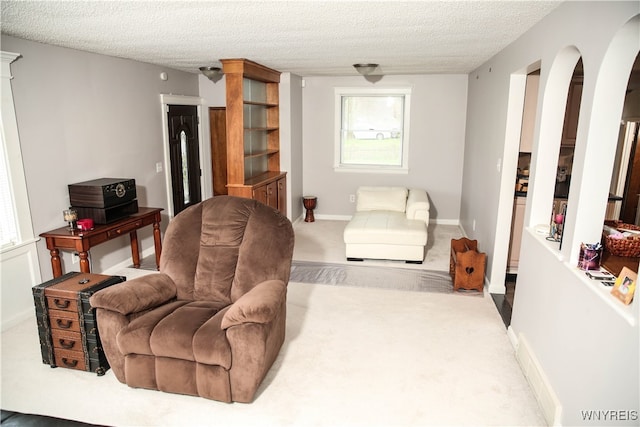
(221, 248)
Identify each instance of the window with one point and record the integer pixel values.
(16, 229)
(8, 229)
(372, 129)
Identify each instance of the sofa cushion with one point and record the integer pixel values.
(382, 199)
(179, 330)
(384, 227)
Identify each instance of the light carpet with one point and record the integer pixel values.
(352, 357)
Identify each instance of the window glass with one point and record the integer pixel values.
(8, 229)
(372, 128)
(185, 167)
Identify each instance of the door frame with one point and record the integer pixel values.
(205, 151)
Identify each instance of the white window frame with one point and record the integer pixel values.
(13, 158)
(19, 265)
(362, 91)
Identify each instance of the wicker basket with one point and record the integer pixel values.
(627, 247)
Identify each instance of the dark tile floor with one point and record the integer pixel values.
(15, 419)
(504, 303)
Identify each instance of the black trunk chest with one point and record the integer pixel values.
(67, 326)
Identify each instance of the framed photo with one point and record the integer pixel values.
(625, 285)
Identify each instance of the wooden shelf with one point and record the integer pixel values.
(261, 154)
(262, 179)
(261, 104)
(264, 129)
(253, 137)
(614, 264)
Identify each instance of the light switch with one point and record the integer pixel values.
(158, 167)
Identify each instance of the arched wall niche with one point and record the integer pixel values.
(625, 181)
(597, 141)
(544, 159)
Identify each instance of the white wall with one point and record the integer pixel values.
(438, 115)
(291, 140)
(585, 341)
(83, 116)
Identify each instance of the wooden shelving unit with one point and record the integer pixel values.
(253, 133)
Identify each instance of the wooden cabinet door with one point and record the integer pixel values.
(282, 195)
(272, 194)
(260, 194)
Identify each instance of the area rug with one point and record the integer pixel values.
(404, 279)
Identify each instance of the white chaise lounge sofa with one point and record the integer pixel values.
(389, 223)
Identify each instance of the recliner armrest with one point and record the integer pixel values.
(260, 305)
(418, 205)
(135, 295)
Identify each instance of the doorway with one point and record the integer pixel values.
(184, 155)
(629, 211)
(520, 181)
(630, 127)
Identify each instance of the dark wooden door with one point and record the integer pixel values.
(218, 125)
(632, 186)
(184, 155)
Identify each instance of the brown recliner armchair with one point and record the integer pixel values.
(212, 321)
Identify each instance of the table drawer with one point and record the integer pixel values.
(61, 303)
(66, 320)
(70, 359)
(66, 340)
(125, 228)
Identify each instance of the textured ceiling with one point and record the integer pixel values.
(303, 37)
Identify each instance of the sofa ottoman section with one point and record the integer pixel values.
(390, 223)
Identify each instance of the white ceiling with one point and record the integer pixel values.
(302, 37)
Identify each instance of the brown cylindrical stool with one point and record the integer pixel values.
(309, 203)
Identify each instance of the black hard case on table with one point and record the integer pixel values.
(75, 295)
(110, 214)
(102, 192)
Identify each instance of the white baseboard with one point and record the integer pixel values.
(127, 262)
(512, 337)
(547, 399)
(17, 319)
(329, 217)
(494, 288)
(446, 222)
(333, 217)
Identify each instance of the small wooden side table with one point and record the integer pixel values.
(83, 240)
